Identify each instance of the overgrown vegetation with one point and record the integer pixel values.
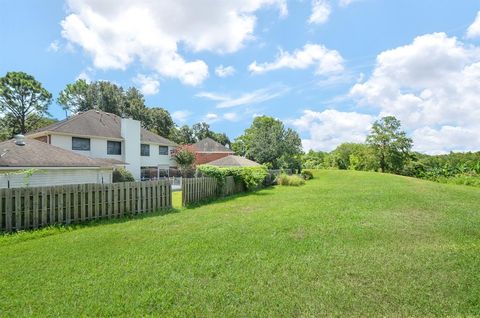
(292, 180)
(307, 174)
(251, 177)
(122, 175)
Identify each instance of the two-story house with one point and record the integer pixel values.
(98, 134)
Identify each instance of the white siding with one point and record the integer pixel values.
(98, 147)
(155, 159)
(53, 177)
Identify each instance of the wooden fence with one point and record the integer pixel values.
(199, 189)
(31, 208)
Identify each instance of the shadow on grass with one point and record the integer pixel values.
(25, 235)
(7, 238)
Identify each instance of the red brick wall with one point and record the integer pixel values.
(202, 158)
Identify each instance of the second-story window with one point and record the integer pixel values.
(114, 147)
(80, 143)
(163, 150)
(145, 150)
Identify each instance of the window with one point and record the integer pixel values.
(114, 147)
(145, 150)
(80, 143)
(163, 150)
(148, 173)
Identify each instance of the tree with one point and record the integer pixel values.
(201, 131)
(268, 142)
(220, 138)
(21, 96)
(76, 97)
(159, 121)
(8, 127)
(390, 144)
(185, 159)
(183, 135)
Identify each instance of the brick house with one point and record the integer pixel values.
(208, 150)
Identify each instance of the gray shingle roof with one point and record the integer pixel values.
(210, 145)
(101, 124)
(234, 161)
(39, 154)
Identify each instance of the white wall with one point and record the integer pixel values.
(155, 159)
(131, 150)
(53, 177)
(98, 147)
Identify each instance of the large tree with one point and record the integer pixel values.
(390, 144)
(267, 141)
(21, 96)
(76, 97)
(159, 121)
(183, 135)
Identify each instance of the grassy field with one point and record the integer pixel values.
(345, 244)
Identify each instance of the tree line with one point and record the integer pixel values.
(388, 149)
(24, 105)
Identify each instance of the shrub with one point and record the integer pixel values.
(286, 180)
(122, 175)
(251, 177)
(307, 174)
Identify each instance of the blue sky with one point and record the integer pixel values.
(327, 68)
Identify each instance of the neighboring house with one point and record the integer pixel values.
(208, 150)
(104, 135)
(29, 162)
(234, 161)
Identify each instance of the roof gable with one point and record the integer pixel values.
(234, 161)
(210, 145)
(101, 124)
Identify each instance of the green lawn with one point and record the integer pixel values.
(345, 244)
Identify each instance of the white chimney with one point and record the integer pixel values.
(130, 130)
(19, 140)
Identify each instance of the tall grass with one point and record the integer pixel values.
(286, 180)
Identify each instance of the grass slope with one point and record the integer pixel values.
(346, 243)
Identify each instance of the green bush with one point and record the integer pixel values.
(251, 177)
(307, 174)
(286, 180)
(122, 175)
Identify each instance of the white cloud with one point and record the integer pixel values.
(473, 30)
(329, 128)
(211, 118)
(255, 97)
(181, 115)
(431, 85)
(118, 32)
(54, 46)
(224, 71)
(325, 61)
(149, 85)
(321, 10)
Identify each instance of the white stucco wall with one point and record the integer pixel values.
(52, 177)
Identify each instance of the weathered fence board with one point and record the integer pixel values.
(31, 208)
(199, 189)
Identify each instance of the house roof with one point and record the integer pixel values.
(210, 145)
(98, 123)
(234, 161)
(40, 154)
